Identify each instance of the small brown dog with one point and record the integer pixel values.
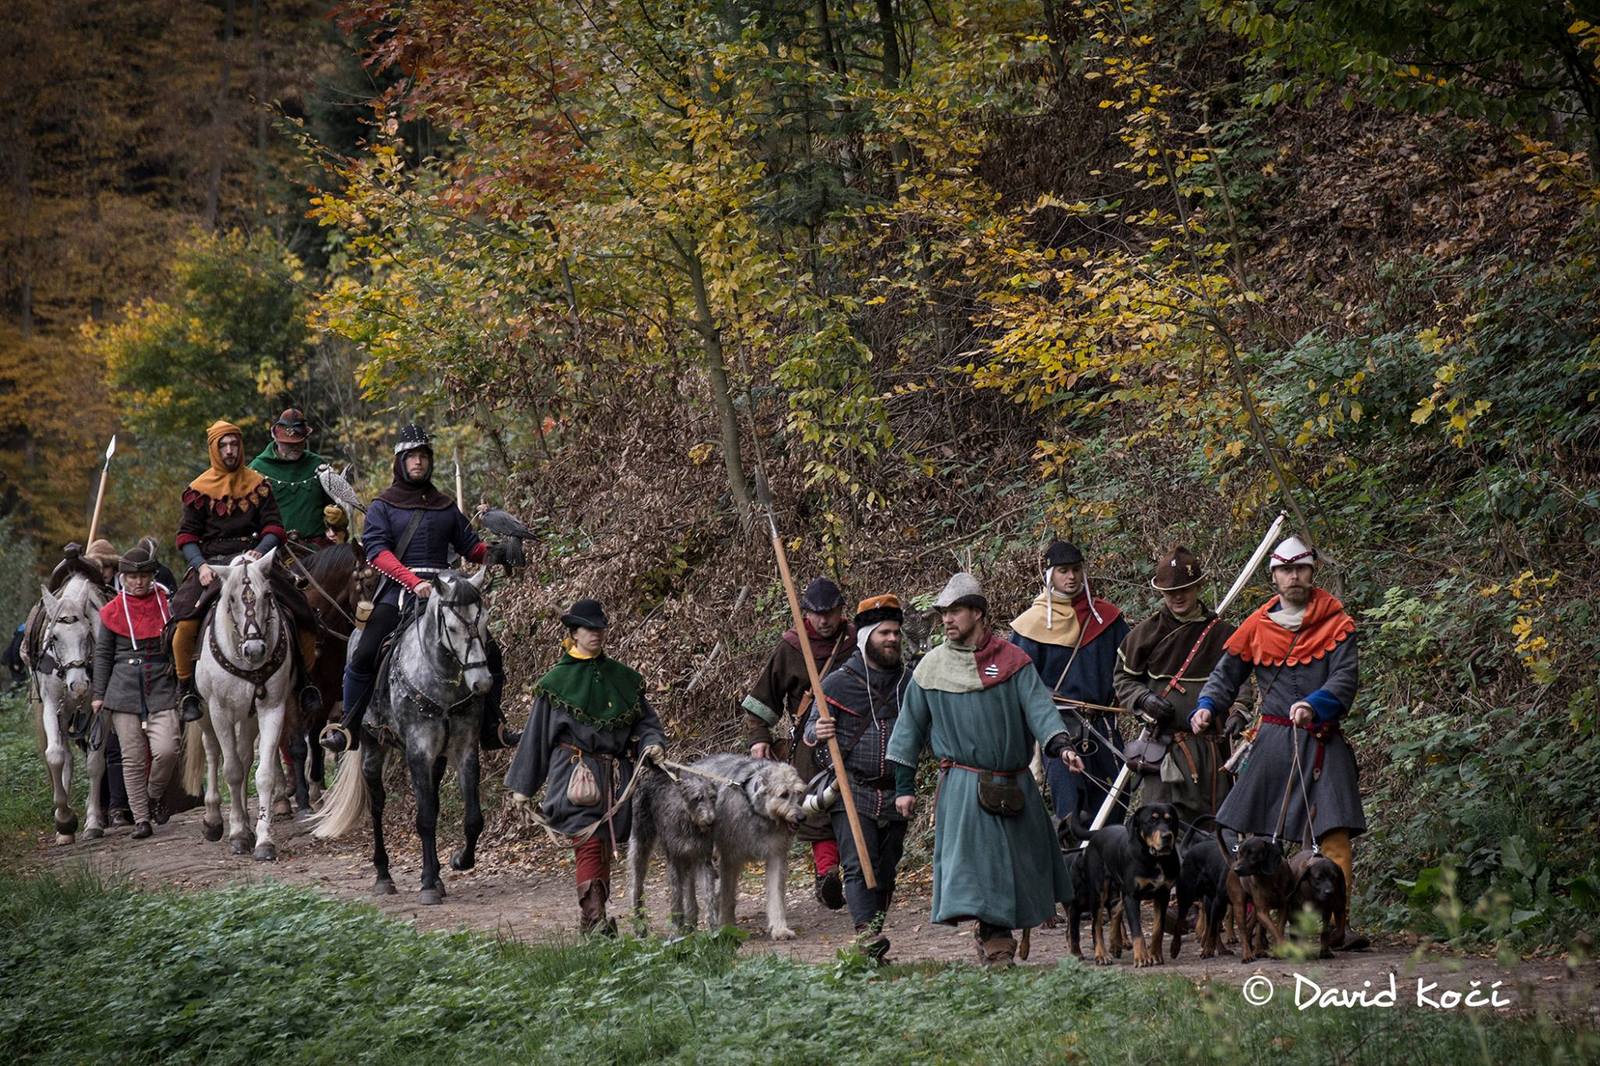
(1320, 888)
(1271, 886)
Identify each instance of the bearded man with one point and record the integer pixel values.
(230, 511)
(291, 469)
(978, 702)
(864, 699)
(1300, 776)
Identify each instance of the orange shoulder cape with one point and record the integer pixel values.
(1263, 642)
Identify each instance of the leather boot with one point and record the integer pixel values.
(592, 908)
(189, 708)
(345, 735)
(996, 947)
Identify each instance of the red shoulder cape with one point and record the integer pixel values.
(1263, 642)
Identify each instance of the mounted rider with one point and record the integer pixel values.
(410, 530)
(228, 511)
(291, 469)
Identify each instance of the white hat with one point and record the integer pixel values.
(1293, 552)
(962, 590)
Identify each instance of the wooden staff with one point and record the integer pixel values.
(863, 857)
(100, 495)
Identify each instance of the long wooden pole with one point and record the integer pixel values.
(864, 857)
(100, 494)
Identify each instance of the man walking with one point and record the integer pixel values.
(784, 690)
(1072, 637)
(976, 700)
(1300, 777)
(1161, 667)
(864, 699)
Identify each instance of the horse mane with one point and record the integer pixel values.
(333, 559)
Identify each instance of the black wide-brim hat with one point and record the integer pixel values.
(586, 613)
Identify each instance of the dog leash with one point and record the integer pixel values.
(667, 764)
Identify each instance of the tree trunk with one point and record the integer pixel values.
(717, 373)
(219, 111)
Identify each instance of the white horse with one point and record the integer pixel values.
(63, 676)
(244, 676)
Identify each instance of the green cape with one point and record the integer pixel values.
(296, 488)
(600, 691)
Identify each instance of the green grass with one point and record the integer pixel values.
(24, 780)
(97, 971)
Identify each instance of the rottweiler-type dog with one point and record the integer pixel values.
(1320, 888)
(1130, 864)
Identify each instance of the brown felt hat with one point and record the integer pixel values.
(1178, 569)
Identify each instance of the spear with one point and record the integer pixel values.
(1239, 583)
(100, 495)
(818, 700)
(461, 501)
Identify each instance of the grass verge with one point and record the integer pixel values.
(97, 970)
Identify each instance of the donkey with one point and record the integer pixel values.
(244, 677)
(61, 669)
(427, 702)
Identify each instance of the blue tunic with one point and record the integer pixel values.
(1090, 680)
(428, 550)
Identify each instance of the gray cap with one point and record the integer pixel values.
(962, 590)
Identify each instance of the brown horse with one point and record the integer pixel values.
(339, 578)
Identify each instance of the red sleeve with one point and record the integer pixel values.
(390, 565)
(479, 550)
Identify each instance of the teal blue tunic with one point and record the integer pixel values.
(1006, 871)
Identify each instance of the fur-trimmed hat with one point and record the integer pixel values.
(1293, 552)
(334, 517)
(1178, 569)
(101, 552)
(875, 609)
(822, 596)
(962, 590)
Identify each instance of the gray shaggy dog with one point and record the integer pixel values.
(756, 819)
(677, 816)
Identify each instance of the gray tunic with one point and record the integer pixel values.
(1254, 804)
(546, 755)
(120, 670)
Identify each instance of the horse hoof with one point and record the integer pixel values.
(430, 897)
(459, 861)
(265, 853)
(212, 833)
(238, 846)
(64, 838)
(383, 886)
(68, 825)
(281, 809)
(94, 832)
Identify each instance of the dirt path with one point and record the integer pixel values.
(510, 895)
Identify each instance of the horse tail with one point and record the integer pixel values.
(348, 805)
(194, 759)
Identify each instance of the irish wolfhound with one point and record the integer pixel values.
(677, 815)
(756, 818)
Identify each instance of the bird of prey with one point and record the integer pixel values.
(338, 489)
(512, 531)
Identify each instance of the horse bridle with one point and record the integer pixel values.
(61, 668)
(473, 638)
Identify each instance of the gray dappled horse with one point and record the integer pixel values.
(427, 702)
(63, 673)
(245, 677)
